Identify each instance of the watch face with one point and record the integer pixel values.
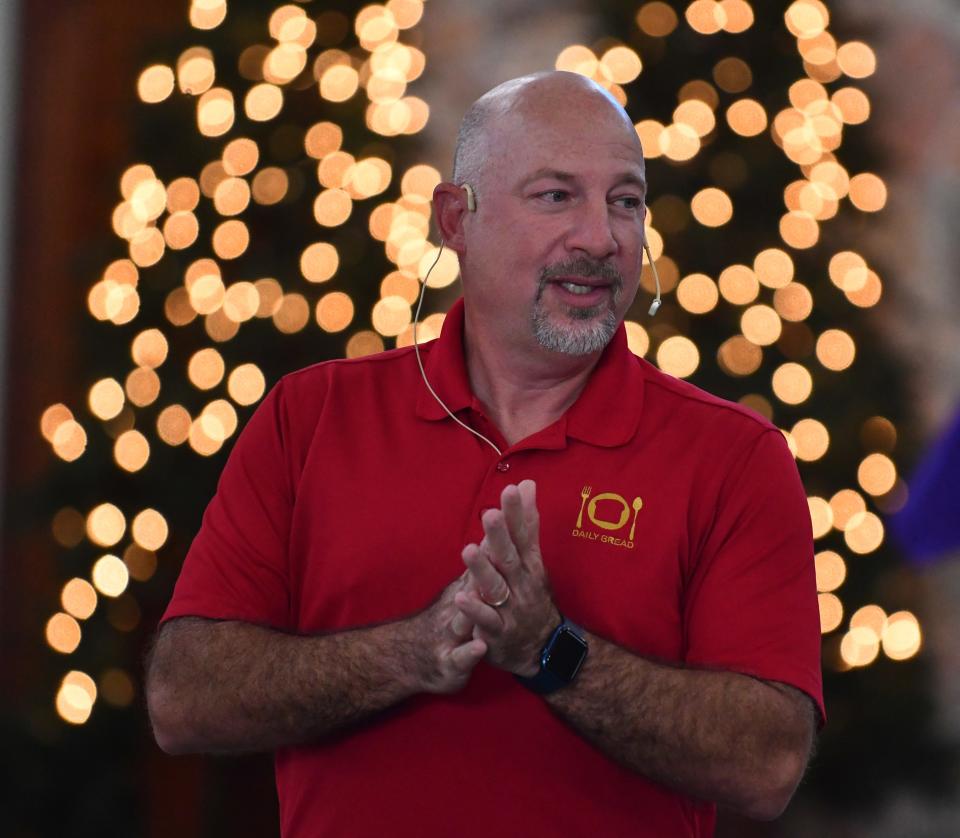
(566, 655)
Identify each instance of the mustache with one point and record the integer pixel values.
(583, 266)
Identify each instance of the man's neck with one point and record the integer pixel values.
(524, 392)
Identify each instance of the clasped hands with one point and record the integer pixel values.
(503, 601)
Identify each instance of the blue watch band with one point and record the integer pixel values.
(560, 660)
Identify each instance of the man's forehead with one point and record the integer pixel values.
(569, 143)
(561, 111)
(575, 109)
(632, 175)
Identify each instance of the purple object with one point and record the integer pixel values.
(928, 526)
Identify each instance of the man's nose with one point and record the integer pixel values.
(591, 232)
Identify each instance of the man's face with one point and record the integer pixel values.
(553, 254)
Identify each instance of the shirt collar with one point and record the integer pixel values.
(606, 413)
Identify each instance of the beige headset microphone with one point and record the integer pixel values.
(472, 207)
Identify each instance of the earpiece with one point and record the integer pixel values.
(471, 197)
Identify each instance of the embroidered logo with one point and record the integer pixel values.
(616, 507)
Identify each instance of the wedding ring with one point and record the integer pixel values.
(499, 602)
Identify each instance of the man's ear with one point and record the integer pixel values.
(450, 211)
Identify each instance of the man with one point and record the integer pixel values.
(635, 637)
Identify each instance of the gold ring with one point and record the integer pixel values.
(499, 602)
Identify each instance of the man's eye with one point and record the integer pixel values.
(554, 196)
(629, 202)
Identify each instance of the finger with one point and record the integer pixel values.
(487, 580)
(500, 547)
(479, 613)
(461, 626)
(466, 656)
(511, 503)
(531, 515)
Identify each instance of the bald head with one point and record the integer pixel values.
(524, 98)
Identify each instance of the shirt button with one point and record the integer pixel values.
(503, 466)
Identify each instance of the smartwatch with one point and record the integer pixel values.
(560, 660)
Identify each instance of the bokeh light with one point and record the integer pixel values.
(364, 343)
(877, 474)
(738, 285)
(149, 529)
(156, 83)
(106, 398)
(835, 349)
(106, 525)
(206, 368)
(901, 636)
(78, 598)
(845, 504)
(738, 356)
(334, 311)
(63, 633)
(831, 571)
(638, 341)
(319, 262)
(173, 423)
(110, 575)
(712, 207)
(761, 325)
(76, 697)
(747, 117)
(821, 516)
(292, 315)
(697, 293)
(831, 612)
(792, 383)
(793, 302)
(131, 450)
(812, 439)
(678, 356)
(656, 19)
(864, 532)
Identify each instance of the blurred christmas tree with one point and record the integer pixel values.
(256, 236)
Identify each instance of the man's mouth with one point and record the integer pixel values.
(579, 288)
(587, 281)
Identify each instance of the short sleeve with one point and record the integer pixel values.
(237, 565)
(751, 605)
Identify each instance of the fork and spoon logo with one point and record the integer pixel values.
(588, 504)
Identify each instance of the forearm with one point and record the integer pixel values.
(231, 686)
(718, 736)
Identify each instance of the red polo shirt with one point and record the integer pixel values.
(673, 523)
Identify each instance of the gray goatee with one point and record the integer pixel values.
(599, 322)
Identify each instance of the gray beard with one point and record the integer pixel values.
(575, 339)
(578, 338)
